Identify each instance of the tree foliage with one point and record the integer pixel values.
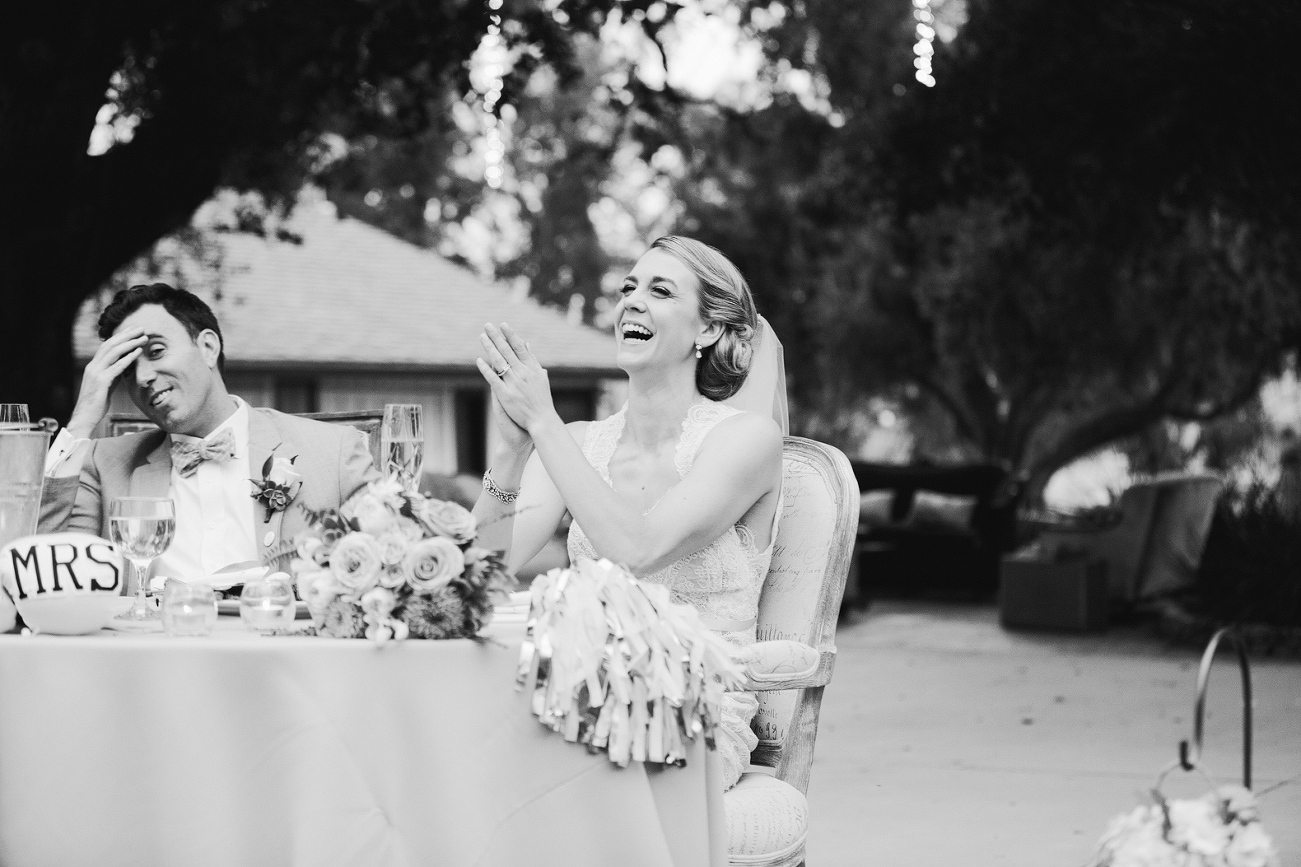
(240, 93)
(1088, 227)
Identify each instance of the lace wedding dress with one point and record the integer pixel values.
(722, 580)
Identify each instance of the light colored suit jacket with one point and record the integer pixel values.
(333, 460)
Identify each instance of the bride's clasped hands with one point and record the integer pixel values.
(521, 390)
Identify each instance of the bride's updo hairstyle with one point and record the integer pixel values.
(724, 298)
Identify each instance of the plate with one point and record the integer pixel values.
(230, 608)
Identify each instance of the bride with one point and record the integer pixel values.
(678, 486)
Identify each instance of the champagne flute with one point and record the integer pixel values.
(142, 528)
(402, 443)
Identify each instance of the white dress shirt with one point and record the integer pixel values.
(214, 506)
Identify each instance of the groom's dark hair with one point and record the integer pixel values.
(185, 307)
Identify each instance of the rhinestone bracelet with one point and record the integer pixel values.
(490, 486)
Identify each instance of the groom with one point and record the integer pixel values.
(241, 478)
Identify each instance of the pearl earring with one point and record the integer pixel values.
(697, 350)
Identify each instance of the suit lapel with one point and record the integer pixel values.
(153, 478)
(263, 440)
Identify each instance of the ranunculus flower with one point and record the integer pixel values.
(448, 519)
(317, 588)
(372, 516)
(1251, 847)
(431, 563)
(307, 548)
(355, 563)
(379, 601)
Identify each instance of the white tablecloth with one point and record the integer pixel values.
(239, 749)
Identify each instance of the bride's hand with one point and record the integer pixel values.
(514, 437)
(519, 383)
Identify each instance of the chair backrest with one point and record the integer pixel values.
(368, 421)
(801, 596)
(1157, 544)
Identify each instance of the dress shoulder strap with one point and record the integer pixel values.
(700, 420)
(601, 439)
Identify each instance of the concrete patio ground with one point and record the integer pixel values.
(945, 740)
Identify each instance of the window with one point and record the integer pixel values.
(574, 404)
(296, 395)
(471, 418)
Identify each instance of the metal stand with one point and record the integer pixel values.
(1189, 759)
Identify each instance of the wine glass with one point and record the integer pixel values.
(13, 413)
(402, 443)
(141, 528)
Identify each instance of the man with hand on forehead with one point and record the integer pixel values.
(164, 346)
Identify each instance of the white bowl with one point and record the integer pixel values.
(71, 615)
(63, 583)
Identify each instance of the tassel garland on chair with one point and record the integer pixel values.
(619, 667)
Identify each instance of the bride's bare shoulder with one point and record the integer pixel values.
(755, 431)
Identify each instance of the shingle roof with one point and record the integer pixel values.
(354, 295)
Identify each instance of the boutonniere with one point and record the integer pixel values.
(278, 486)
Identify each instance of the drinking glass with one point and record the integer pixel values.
(188, 609)
(22, 468)
(141, 528)
(13, 413)
(402, 443)
(267, 603)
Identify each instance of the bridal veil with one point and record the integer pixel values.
(764, 390)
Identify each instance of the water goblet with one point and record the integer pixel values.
(402, 442)
(141, 528)
(188, 609)
(13, 413)
(267, 603)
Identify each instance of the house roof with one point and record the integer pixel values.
(353, 296)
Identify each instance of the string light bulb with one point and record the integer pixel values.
(491, 49)
(923, 48)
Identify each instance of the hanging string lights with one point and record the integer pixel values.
(925, 36)
(492, 50)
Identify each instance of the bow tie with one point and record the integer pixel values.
(186, 456)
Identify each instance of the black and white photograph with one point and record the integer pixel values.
(654, 433)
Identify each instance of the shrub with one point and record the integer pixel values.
(1251, 568)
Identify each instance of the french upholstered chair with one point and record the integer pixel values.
(367, 421)
(790, 665)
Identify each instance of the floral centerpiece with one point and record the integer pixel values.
(392, 563)
(1220, 829)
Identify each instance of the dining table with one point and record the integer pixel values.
(240, 748)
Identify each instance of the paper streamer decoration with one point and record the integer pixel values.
(619, 667)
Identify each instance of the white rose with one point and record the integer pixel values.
(431, 563)
(355, 563)
(282, 472)
(448, 519)
(392, 547)
(410, 529)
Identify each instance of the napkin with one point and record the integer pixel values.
(223, 579)
(515, 610)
